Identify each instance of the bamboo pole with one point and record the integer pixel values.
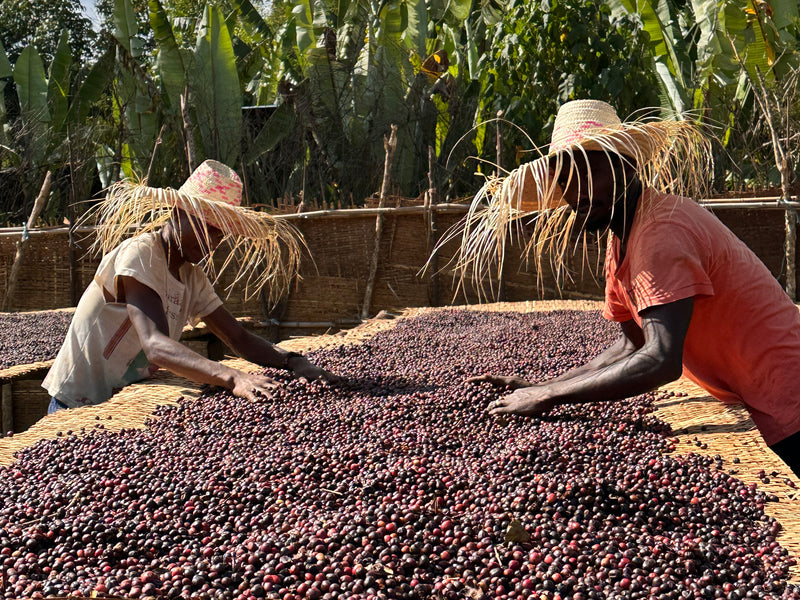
(38, 206)
(501, 276)
(389, 146)
(188, 131)
(432, 231)
(782, 161)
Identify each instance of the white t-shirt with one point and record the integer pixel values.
(102, 351)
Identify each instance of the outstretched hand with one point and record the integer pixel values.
(527, 402)
(250, 385)
(511, 381)
(303, 369)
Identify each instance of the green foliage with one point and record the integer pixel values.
(39, 24)
(548, 52)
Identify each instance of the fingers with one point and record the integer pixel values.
(499, 407)
(478, 378)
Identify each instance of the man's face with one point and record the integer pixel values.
(593, 206)
(195, 245)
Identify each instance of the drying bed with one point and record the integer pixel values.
(393, 484)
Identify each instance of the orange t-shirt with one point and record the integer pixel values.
(743, 342)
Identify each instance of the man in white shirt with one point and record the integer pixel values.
(129, 320)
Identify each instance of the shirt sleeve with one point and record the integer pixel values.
(138, 259)
(669, 263)
(614, 308)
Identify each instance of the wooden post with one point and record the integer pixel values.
(38, 206)
(790, 225)
(433, 235)
(6, 408)
(159, 139)
(188, 131)
(389, 145)
(501, 277)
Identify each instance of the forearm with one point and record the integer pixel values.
(256, 349)
(615, 353)
(180, 360)
(632, 375)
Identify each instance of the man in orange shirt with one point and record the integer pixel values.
(690, 297)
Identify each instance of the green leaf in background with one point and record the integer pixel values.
(58, 82)
(301, 16)
(126, 28)
(460, 9)
(785, 14)
(5, 66)
(216, 92)
(255, 25)
(320, 16)
(472, 52)
(416, 33)
(32, 85)
(96, 83)
(341, 12)
(280, 124)
(169, 62)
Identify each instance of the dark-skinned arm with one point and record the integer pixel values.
(147, 316)
(256, 349)
(658, 361)
(628, 343)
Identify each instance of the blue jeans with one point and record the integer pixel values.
(55, 406)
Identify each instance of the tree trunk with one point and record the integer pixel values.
(389, 145)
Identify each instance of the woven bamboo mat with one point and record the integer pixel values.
(23, 371)
(700, 424)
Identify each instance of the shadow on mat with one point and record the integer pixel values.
(739, 418)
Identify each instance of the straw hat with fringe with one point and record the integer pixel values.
(266, 249)
(669, 155)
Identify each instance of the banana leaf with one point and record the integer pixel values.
(280, 124)
(5, 65)
(31, 83)
(217, 95)
(169, 63)
(416, 33)
(126, 29)
(252, 21)
(97, 81)
(58, 82)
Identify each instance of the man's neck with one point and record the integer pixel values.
(622, 221)
(171, 249)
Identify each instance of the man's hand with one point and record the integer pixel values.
(527, 402)
(303, 369)
(250, 385)
(513, 382)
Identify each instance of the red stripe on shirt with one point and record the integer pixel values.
(117, 338)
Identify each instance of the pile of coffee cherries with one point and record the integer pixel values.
(32, 336)
(395, 483)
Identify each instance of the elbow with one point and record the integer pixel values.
(668, 369)
(156, 352)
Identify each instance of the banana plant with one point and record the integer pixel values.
(215, 89)
(763, 31)
(208, 76)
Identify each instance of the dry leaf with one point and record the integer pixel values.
(516, 532)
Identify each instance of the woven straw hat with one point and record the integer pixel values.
(669, 155)
(266, 249)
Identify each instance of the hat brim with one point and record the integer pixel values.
(265, 248)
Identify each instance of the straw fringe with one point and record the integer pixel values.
(265, 250)
(670, 156)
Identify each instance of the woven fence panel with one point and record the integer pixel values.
(335, 269)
